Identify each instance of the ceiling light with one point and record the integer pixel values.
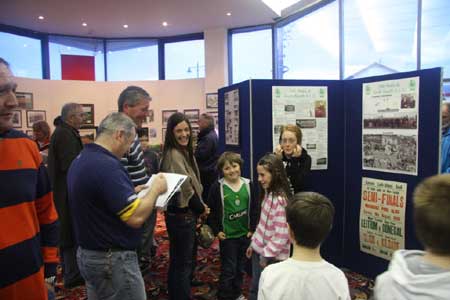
(164, 24)
(228, 14)
(125, 26)
(41, 17)
(25, 45)
(278, 5)
(84, 24)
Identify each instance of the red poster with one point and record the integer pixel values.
(77, 67)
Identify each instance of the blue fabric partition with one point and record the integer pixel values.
(341, 182)
(261, 122)
(328, 182)
(428, 163)
(244, 123)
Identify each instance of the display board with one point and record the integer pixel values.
(418, 99)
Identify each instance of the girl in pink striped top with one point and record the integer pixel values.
(270, 242)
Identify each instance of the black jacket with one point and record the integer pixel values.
(65, 145)
(298, 171)
(215, 201)
(206, 152)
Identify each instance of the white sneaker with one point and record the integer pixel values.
(241, 297)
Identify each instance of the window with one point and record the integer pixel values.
(251, 54)
(435, 43)
(184, 59)
(59, 45)
(23, 54)
(380, 37)
(309, 46)
(132, 59)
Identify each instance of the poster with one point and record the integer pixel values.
(382, 217)
(390, 126)
(307, 107)
(232, 117)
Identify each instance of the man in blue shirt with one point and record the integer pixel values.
(108, 215)
(445, 148)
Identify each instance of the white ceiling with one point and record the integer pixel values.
(105, 18)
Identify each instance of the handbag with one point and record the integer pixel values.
(205, 236)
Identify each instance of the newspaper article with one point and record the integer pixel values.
(390, 126)
(307, 107)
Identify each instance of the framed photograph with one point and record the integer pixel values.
(25, 100)
(17, 119)
(88, 119)
(152, 132)
(34, 116)
(88, 135)
(193, 115)
(212, 100)
(166, 115)
(30, 133)
(151, 115)
(195, 131)
(143, 134)
(215, 115)
(163, 135)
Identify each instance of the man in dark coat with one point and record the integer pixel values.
(206, 153)
(65, 145)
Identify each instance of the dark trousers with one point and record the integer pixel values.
(181, 230)
(233, 260)
(148, 228)
(71, 273)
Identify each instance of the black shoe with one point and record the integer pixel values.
(72, 284)
(144, 267)
(196, 282)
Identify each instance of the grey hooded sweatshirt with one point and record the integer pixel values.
(409, 276)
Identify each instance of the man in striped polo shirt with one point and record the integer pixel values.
(134, 101)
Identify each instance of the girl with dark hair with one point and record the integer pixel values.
(185, 206)
(270, 242)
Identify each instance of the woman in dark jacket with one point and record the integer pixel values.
(296, 159)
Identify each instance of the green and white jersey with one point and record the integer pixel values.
(235, 211)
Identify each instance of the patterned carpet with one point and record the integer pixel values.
(208, 268)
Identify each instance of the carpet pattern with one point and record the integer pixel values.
(208, 270)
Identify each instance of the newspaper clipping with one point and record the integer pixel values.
(390, 125)
(307, 107)
(232, 117)
(382, 217)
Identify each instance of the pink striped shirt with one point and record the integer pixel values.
(271, 237)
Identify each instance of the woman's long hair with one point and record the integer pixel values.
(170, 142)
(279, 185)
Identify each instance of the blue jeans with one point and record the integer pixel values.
(232, 256)
(256, 274)
(112, 275)
(181, 230)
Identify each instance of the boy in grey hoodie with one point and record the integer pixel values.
(420, 275)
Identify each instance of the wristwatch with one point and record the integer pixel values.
(50, 280)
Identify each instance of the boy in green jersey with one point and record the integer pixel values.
(233, 218)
